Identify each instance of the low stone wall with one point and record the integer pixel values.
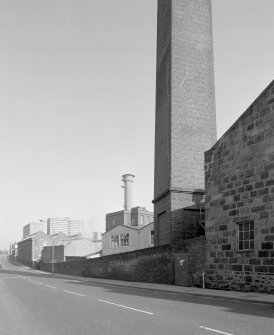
(74, 268)
(154, 265)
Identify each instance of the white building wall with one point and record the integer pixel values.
(81, 248)
(107, 249)
(145, 236)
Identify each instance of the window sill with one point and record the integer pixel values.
(120, 246)
(248, 251)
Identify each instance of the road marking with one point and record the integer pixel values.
(82, 295)
(259, 303)
(134, 309)
(215, 330)
(51, 286)
(77, 281)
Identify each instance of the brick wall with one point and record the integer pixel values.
(185, 123)
(48, 253)
(163, 99)
(118, 218)
(240, 188)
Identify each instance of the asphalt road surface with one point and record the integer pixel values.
(32, 302)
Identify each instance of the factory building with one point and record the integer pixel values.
(129, 229)
(129, 216)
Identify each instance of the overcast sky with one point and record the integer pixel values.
(77, 104)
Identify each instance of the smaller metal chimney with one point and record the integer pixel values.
(128, 181)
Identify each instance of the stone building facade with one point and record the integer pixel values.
(239, 201)
(185, 123)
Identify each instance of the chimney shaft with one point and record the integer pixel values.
(128, 181)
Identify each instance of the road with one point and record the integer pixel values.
(32, 302)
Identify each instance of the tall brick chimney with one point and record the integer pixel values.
(185, 124)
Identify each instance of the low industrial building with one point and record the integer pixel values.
(30, 248)
(13, 253)
(129, 229)
(69, 249)
(127, 238)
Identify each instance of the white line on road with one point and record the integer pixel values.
(8, 277)
(134, 309)
(82, 295)
(51, 286)
(215, 330)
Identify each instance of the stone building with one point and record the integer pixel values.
(239, 201)
(185, 123)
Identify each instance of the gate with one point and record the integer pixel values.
(181, 269)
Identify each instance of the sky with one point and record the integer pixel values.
(77, 101)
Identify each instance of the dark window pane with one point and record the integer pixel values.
(241, 245)
(246, 235)
(241, 227)
(251, 225)
(246, 226)
(252, 235)
(251, 244)
(246, 244)
(241, 235)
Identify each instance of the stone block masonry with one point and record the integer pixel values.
(154, 265)
(185, 109)
(239, 201)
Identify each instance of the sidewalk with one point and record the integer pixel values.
(252, 297)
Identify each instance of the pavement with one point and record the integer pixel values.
(252, 297)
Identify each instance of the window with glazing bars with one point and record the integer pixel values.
(152, 237)
(124, 239)
(114, 241)
(246, 235)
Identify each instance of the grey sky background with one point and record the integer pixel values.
(77, 102)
